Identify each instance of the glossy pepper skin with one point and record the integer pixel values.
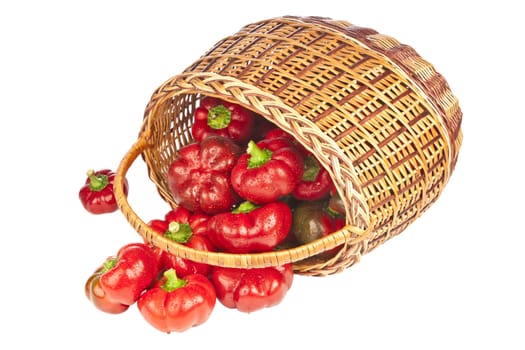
(218, 117)
(269, 170)
(316, 182)
(184, 227)
(280, 133)
(96, 294)
(96, 195)
(313, 220)
(250, 229)
(176, 305)
(122, 278)
(199, 177)
(250, 290)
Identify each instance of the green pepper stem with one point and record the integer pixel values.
(333, 213)
(171, 281)
(219, 117)
(109, 264)
(258, 157)
(245, 207)
(311, 168)
(97, 182)
(177, 232)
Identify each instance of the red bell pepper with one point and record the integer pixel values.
(96, 294)
(175, 305)
(316, 182)
(182, 226)
(96, 195)
(199, 177)
(277, 132)
(249, 228)
(313, 220)
(269, 170)
(121, 279)
(218, 117)
(197, 221)
(280, 133)
(249, 290)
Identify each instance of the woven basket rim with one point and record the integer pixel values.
(187, 85)
(348, 235)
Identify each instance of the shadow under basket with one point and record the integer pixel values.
(374, 113)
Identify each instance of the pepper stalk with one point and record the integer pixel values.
(177, 232)
(171, 281)
(258, 156)
(311, 168)
(245, 207)
(97, 182)
(219, 117)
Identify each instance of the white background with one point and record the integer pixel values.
(75, 78)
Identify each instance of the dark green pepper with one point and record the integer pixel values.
(313, 220)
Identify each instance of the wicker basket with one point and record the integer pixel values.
(377, 116)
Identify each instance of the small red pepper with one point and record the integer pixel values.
(176, 305)
(96, 195)
(118, 283)
(269, 170)
(218, 117)
(280, 133)
(96, 294)
(277, 132)
(199, 177)
(249, 228)
(249, 290)
(313, 220)
(182, 226)
(316, 182)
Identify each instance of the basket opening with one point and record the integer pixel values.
(169, 122)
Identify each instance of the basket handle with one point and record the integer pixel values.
(348, 235)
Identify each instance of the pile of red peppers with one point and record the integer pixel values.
(242, 186)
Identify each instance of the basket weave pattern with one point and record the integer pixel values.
(376, 115)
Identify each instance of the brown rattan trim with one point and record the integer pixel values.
(434, 87)
(349, 235)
